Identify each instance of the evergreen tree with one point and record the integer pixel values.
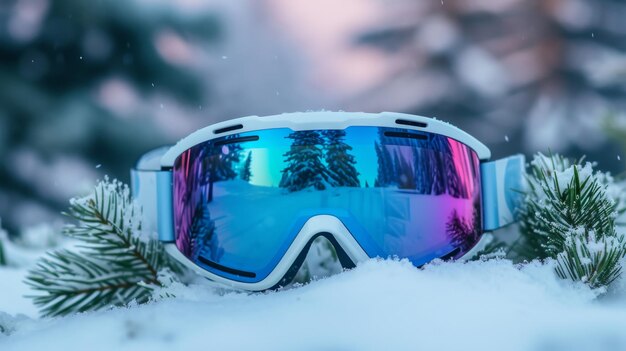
(213, 165)
(228, 156)
(386, 168)
(53, 76)
(405, 174)
(219, 161)
(499, 99)
(423, 177)
(439, 148)
(453, 183)
(304, 162)
(202, 230)
(203, 235)
(379, 181)
(340, 164)
(436, 168)
(396, 166)
(246, 172)
(464, 232)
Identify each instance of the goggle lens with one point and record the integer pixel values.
(240, 200)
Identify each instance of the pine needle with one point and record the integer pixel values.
(114, 265)
(570, 217)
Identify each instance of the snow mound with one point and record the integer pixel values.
(380, 305)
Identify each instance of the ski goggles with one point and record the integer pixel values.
(240, 202)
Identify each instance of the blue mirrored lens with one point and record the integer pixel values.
(239, 201)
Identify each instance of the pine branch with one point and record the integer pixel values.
(115, 264)
(596, 264)
(493, 249)
(570, 216)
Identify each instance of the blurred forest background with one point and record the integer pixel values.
(87, 86)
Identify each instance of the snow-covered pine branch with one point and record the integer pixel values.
(116, 263)
(570, 215)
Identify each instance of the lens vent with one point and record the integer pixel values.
(407, 122)
(237, 140)
(228, 129)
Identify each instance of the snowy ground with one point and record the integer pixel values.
(381, 305)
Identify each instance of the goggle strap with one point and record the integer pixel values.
(152, 190)
(503, 185)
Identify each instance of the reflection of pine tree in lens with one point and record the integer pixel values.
(429, 170)
(436, 169)
(464, 233)
(340, 164)
(404, 172)
(439, 147)
(201, 169)
(386, 170)
(396, 165)
(212, 165)
(219, 160)
(204, 169)
(246, 172)
(304, 162)
(195, 228)
(379, 181)
(423, 178)
(190, 183)
(229, 155)
(202, 233)
(453, 184)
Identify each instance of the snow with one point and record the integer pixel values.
(564, 173)
(12, 296)
(40, 236)
(380, 305)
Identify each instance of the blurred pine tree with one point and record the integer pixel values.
(55, 57)
(547, 71)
